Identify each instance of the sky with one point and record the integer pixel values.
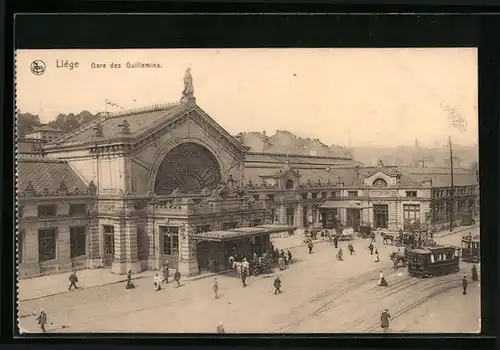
(361, 97)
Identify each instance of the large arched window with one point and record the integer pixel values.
(379, 183)
(188, 167)
(289, 184)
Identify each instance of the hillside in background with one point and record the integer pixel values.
(285, 142)
(464, 156)
(64, 122)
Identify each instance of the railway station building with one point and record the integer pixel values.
(133, 189)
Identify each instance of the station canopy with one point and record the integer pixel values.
(241, 232)
(342, 204)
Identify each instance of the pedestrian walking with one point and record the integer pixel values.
(277, 285)
(157, 282)
(310, 246)
(340, 255)
(335, 242)
(73, 279)
(384, 320)
(42, 320)
(370, 247)
(474, 273)
(244, 279)
(220, 328)
(382, 282)
(351, 248)
(165, 272)
(129, 285)
(177, 277)
(464, 285)
(290, 261)
(376, 258)
(216, 288)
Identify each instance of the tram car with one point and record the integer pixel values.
(471, 249)
(433, 261)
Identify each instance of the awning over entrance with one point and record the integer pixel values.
(342, 204)
(220, 236)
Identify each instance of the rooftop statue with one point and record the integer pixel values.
(188, 93)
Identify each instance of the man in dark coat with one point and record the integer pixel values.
(335, 241)
(371, 248)
(290, 261)
(474, 273)
(72, 280)
(177, 278)
(310, 246)
(384, 320)
(129, 285)
(351, 248)
(464, 285)
(277, 286)
(243, 278)
(42, 320)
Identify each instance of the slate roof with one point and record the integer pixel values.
(47, 174)
(139, 120)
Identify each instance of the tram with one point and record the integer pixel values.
(432, 261)
(471, 249)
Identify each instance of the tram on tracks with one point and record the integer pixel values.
(471, 249)
(433, 261)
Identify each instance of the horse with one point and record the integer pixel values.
(386, 238)
(398, 259)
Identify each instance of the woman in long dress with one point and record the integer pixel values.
(382, 282)
(157, 282)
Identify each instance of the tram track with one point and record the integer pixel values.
(407, 287)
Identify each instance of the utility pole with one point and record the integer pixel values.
(452, 194)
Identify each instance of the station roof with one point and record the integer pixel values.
(228, 235)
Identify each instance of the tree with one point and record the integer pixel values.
(26, 122)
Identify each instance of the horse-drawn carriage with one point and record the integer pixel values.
(366, 231)
(432, 261)
(392, 238)
(471, 249)
(262, 265)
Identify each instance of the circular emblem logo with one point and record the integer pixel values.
(38, 67)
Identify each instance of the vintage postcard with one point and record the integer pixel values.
(248, 191)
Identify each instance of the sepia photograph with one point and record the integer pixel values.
(231, 191)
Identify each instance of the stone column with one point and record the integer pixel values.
(132, 257)
(188, 262)
(309, 215)
(29, 266)
(299, 215)
(94, 246)
(120, 256)
(343, 215)
(282, 214)
(63, 249)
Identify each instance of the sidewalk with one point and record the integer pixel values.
(460, 229)
(45, 286)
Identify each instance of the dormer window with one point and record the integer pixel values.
(289, 184)
(379, 183)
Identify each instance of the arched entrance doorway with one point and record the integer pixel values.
(188, 167)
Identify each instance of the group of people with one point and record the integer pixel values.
(157, 280)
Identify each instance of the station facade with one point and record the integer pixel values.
(133, 189)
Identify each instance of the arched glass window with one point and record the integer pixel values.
(379, 183)
(289, 184)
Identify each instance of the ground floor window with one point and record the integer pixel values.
(411, 212)
(170, 235)
(109, 240)
(47, 244)
(77, 241)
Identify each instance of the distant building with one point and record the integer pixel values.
(45, 133)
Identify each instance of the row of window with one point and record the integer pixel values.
(324, 195)
(457, 191)
(50, 210)
(47, 243)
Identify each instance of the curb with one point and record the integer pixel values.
(456, 231)
(67, 291)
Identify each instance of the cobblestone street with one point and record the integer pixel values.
(320, 294)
